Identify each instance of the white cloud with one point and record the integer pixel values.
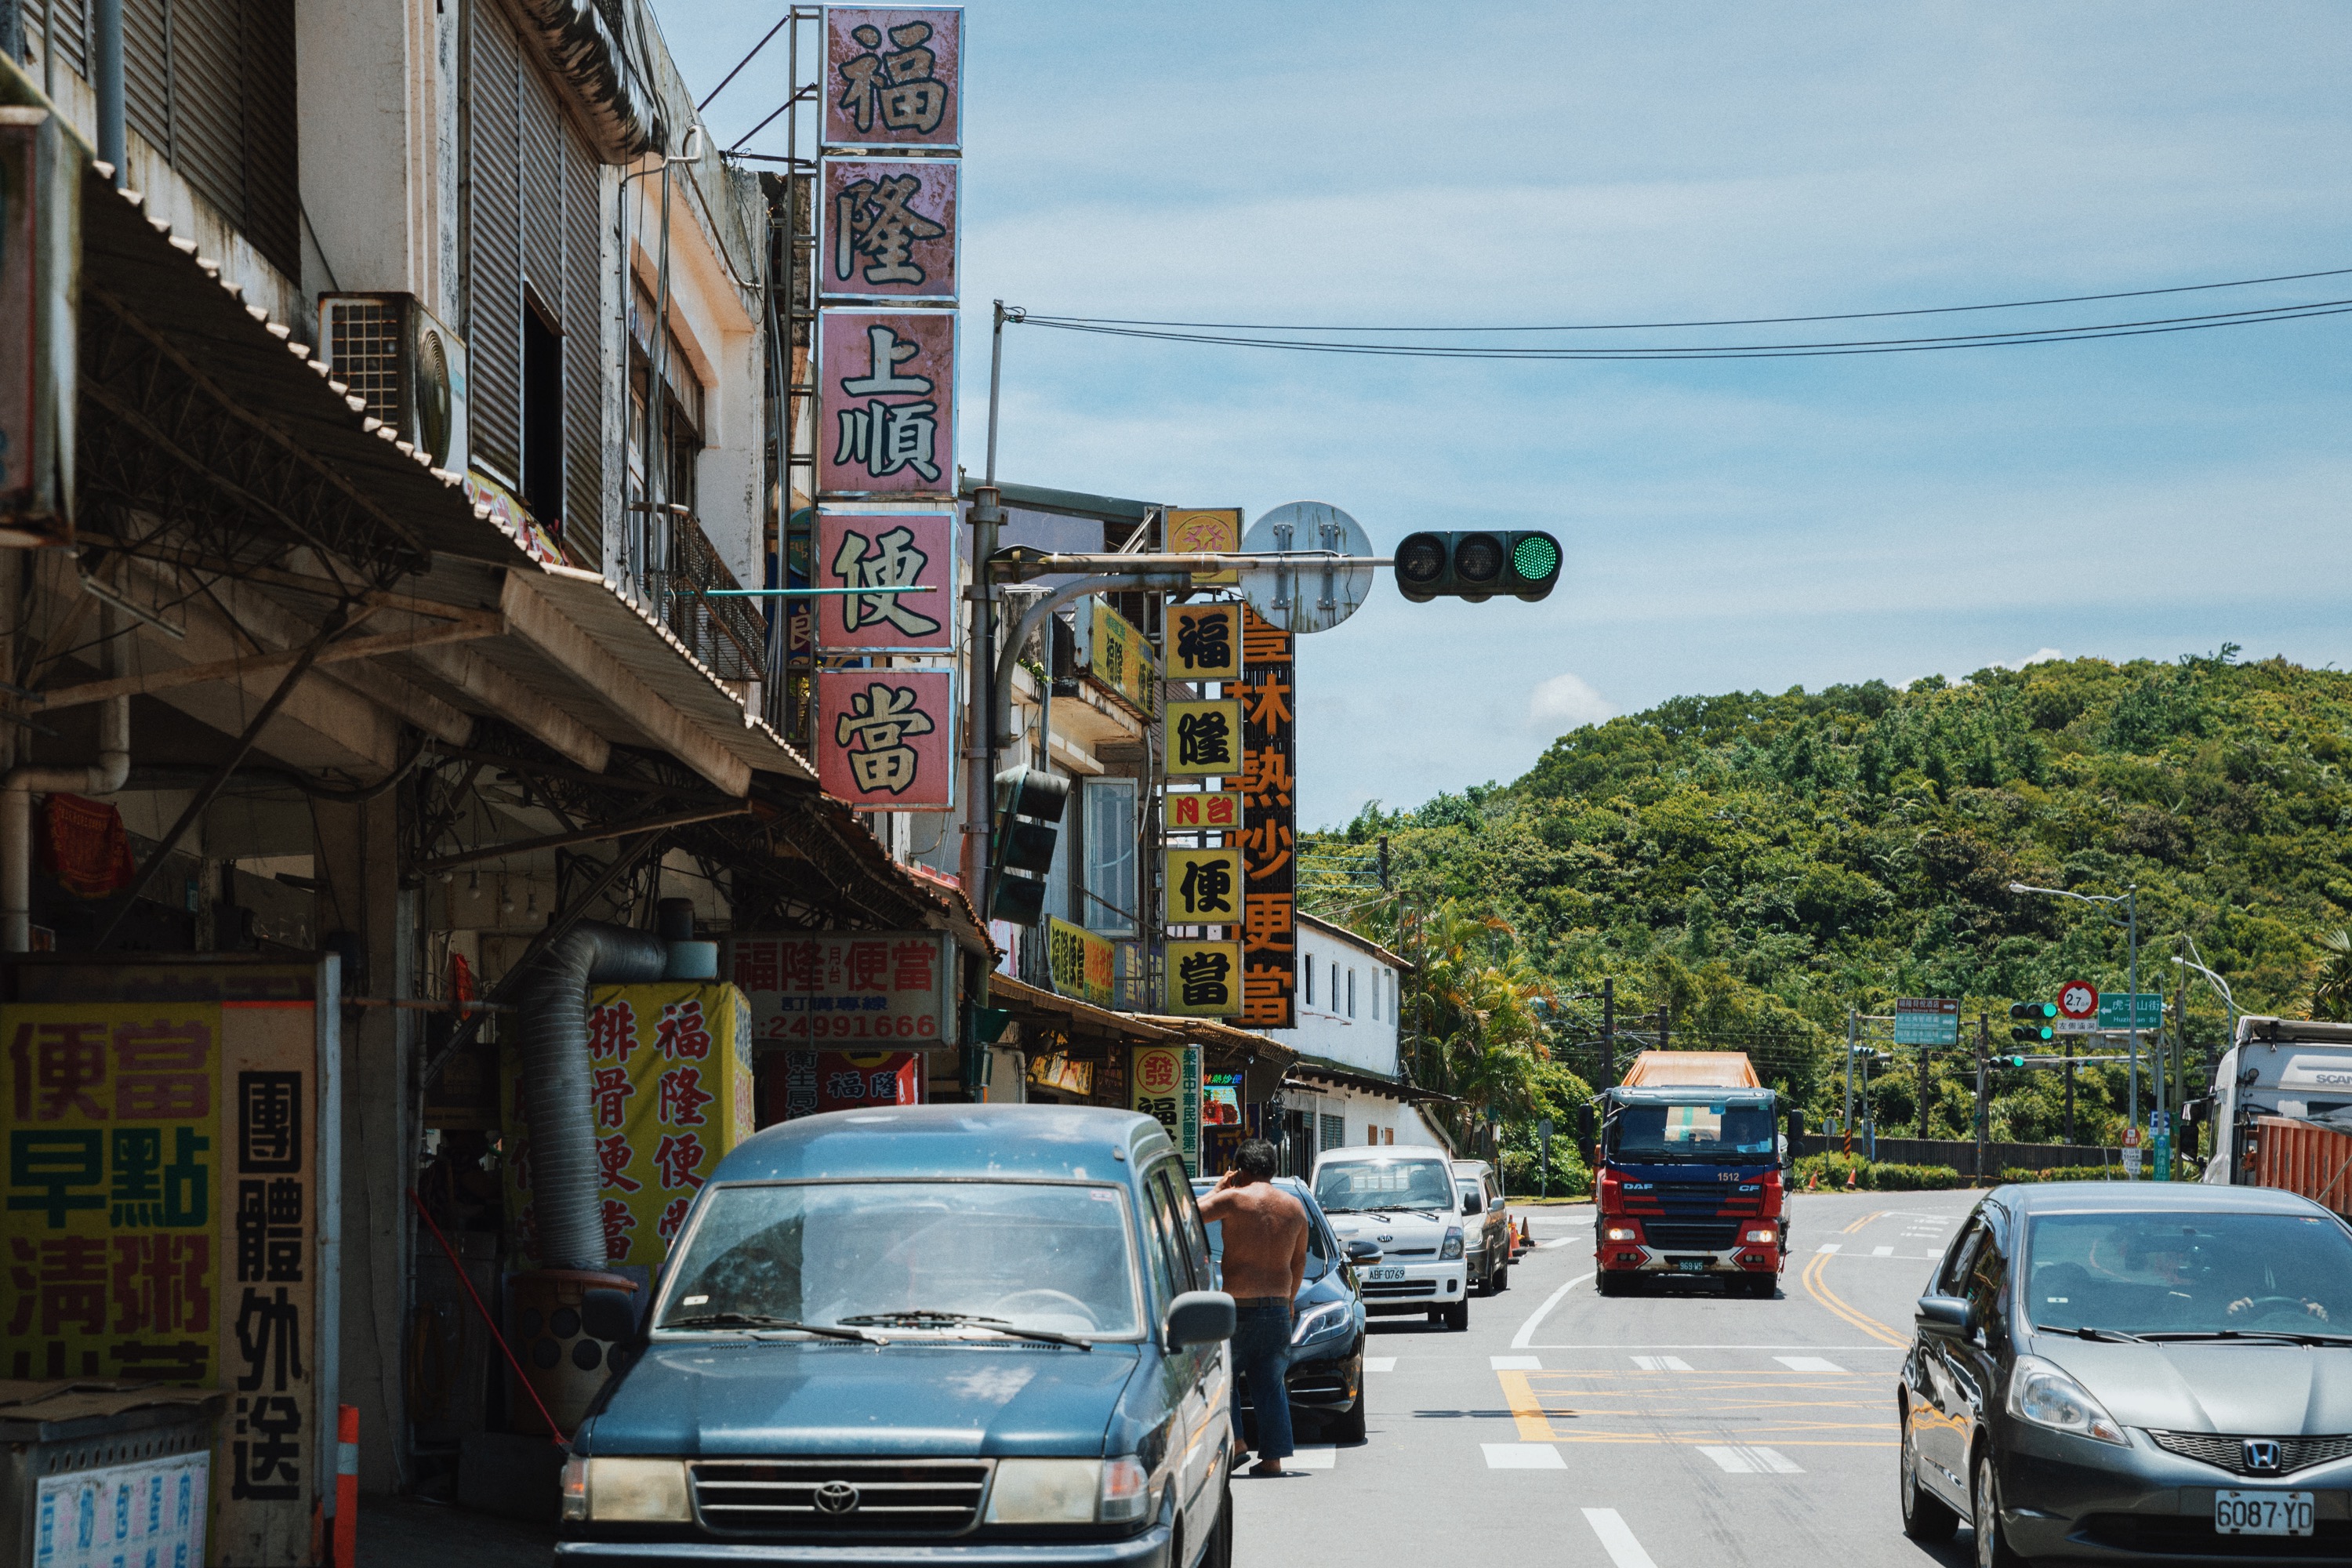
(2039, 656)
(1566, 702)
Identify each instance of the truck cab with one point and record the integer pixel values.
(2292, 1070)
(1691, 1182)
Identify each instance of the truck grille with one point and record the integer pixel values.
(2230, 1453)
(839, 1497)
(1690, 1234)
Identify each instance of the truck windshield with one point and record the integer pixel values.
(1701, 1130)
(1031, 1255)
(2195, 1275)
(1352, 1186)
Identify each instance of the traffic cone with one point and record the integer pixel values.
(1813, 1181)
(1850, 1183)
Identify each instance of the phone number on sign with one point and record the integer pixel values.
(857, 1026)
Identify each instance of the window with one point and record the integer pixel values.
(1351, 992)
(1376, 994)
(1310, 981)
(1335, 1132)
(1109, 888)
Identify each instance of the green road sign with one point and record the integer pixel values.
(1926, 1021)
(2113, 1015)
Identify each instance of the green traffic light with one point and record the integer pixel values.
(1536, 556)
(2017, 1061)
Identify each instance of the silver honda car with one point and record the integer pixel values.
(2141, 1373)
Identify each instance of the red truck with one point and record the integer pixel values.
(1691, 1183)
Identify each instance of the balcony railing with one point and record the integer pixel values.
(680, 582)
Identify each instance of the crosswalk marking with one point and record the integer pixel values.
(1744, 1461)
(1808, 1363)
(1662, 1363)
(1831, 1246)
(1523, 1457)
(1881, 1252)
(1617, 1538)
(1515, 1363)
(1316, 1457)
(1380, 1363)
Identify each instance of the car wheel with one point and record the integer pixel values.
(1219, 1554)
(1925, 1517)
(1500, 1282)
(1457, 1317)
(1993, 1548)
(1346, 1426)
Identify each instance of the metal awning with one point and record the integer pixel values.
(1083, 1021)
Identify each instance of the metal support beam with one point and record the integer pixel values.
(585, 836)
(261, 663)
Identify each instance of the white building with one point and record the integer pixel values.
(1348, 1087)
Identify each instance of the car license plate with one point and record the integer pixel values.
(1691, 1265)
(2262, 1514)
(1383, 1272)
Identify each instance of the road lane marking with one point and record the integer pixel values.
(1743, 1460)
(1709, 1347)
(1829, 1247)
(1380, 1363)
(1527, 1408)
(1881, 1252)
(1320, 1456)
(1817, 1287)
(1515, 1363)
(1808, 1363)
(1523, 1457)
(1873, 1214)
(1617, 1538)
(1528, 1329)
(1662, 1363)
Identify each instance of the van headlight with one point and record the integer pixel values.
(2041, 1393)
(1068, 1492)
(635, 1492)
(1329, 1318)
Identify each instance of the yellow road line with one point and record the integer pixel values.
(1528, 1410)
(1817, 1287)
(1877, 1214)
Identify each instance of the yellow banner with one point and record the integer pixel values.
(1203, 887)
(1205, 642)
(1204, 979)
(1202, 811)
(1120, 656)
(1080, 962)
(1204, 739)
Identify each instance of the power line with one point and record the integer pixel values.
(780, 24)
(1726, 321)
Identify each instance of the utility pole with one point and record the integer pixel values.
(1924, 1091)
(1984, 1049)
(2069, 1095)
(1609, 1033)
(1665, 1025)
(1385, 862)
(1852, 1026)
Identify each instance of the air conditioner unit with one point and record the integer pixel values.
(392, 351)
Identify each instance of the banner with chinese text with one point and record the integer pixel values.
(1269, 830)
(1205, 642)
(1115, 652)
(893, 78)
(885, 391)
(1204, 979)
(1165, 1084)
(890, 229)
(889, 988)
(1204, 739)
(886, 738)
(670, 1093)
(1080, 962)
(809, 1083)
(882, 555)
(1202, 811)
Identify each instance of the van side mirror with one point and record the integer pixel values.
(1498, 1205)
(608, 1315)
(1198, 1318)
(1470, 1204)
(1947, 1316)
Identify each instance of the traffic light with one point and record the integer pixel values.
(1028, 817)
(2033, 1028)
(1478, 565)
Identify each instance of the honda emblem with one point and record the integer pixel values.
(2262, 1454)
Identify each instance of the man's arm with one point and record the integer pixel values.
(1217, 1203)
(1297, 1260)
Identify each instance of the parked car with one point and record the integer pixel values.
(1486, 1225)
(1402, 1199)
(2102, 1371)
(922, 1335)
(1326, 1379)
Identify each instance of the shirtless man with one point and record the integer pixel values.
(1265, 1257)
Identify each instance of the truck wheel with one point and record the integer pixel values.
(1609, 1284)
(1457, 1317)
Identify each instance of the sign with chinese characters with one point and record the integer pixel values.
(1165, 1084)
(883, 555)
(890, 989)
(890, 229)
(1204, 979)
(150, 1511)
(885, 409)
(1079, 961)
(1205, 530)
(1202, 811)
(1114, 650)
(1203, 887)
(1055, 1069)
(161, 1224)
(2117, 1015)
(1926, 1021)
(886, 738)
(1204, 739)
(1205, 642)
(1269, 830)
(893, 78)
(809, 1083)
(669, 1087)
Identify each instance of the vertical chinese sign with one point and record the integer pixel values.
(1269, 828)
(887, 252)
(1082, 963)
(1165, 1084)
(670, 1093)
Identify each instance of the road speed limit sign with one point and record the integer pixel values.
(2078, 999)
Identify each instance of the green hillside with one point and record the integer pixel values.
(1760, 864)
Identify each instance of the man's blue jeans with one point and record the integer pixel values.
(1261, 1353)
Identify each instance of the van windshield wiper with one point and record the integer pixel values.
(924, 1318)
(761, 1321)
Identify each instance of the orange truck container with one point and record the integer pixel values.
(1692, 1070)
(2296, 1157)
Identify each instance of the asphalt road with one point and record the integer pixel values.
(1659, 1431)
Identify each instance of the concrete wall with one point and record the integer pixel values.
(1365, 1039)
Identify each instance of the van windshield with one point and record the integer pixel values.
(1350, 1186)
(1698, 1132)
(1032, 1254)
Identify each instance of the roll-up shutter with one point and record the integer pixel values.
(494, 275)
(273, 190)
(542, 192)
(70, 18)
(583, 356)
(208, 100)
(147, 70)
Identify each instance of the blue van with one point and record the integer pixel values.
(938, 1334)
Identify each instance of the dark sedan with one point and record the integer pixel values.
(2141, 1373)
(1327, 1346)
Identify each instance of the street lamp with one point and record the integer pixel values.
(2129, 899)
(2219, 985)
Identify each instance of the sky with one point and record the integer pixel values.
(1727, 526)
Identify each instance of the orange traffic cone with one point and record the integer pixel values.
(1527, 1237)
(1813, 1181)
(1850, 1183)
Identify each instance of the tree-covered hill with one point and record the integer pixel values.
(1760, 864)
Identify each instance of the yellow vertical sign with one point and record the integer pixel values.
(1205, 642)
(1204, 739)
(1204, 979)
(1205, 530)
(1203, 886)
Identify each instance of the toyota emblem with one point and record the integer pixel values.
(2262, 1453)
(836, 1497)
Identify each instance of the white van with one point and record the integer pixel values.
(1401, 1200)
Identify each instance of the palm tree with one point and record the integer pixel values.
(2331, 988)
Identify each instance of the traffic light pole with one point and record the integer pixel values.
(1853, 1027)
(1984, 1080)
